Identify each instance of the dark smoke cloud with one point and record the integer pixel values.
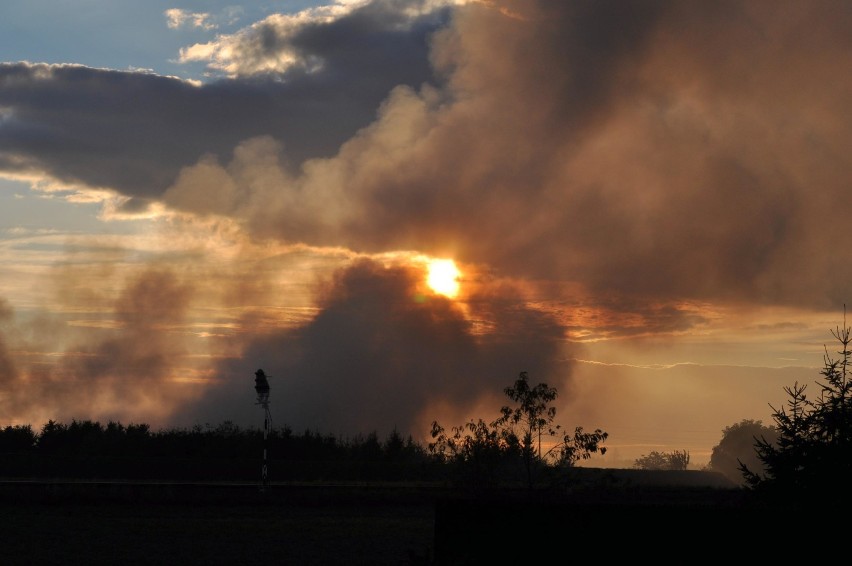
(663, 150)
(381, 355)
(658, 149)
(652, 154)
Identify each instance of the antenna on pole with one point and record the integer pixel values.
(261, 386)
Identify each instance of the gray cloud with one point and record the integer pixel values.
(352, 43)
(132, 132)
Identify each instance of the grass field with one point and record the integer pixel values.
(306, 527)
(118, 523)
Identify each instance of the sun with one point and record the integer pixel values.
(443, 277)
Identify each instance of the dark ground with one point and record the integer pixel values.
(48, 522)
(102, 524)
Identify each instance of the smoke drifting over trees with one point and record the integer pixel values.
(629, 188)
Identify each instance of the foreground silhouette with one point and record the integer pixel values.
(488, 454)
(810, 462)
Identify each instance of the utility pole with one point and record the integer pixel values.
(261, 386)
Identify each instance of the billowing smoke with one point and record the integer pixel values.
(661, 150)
(624, 163)
(381, 354)
(123, 368)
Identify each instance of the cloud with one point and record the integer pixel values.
(128, 367)
(627, 166)
(170, 342)
(660, 150)
(383, 353)
(8, 371)
(177, 18)
(133, 132)
(345, 37)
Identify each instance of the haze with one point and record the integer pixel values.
(646, 202)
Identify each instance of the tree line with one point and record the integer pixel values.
(804, 458)
(506, 451)
(89, 449)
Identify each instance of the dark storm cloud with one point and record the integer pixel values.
(379, 355)
(132, 132)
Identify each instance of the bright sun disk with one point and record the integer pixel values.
(443, 277)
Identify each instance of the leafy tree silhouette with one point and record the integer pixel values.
(811, 464)
(675, 460)
(17, 438)
(484, 449)
(88, 449)
(736, 448)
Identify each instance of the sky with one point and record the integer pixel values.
(647, 203)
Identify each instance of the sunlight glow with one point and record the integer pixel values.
(443, 277)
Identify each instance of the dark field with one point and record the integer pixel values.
(120, 523)
(173, 524)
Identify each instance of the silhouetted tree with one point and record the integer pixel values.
(475, 450)
(17, 438)
(222, 452)
(811, 464)
(517, 432)
(399, 449)
(532, 417)
(524, 424)
(737, 449)
(580, 445)
(51, 439)
(675, 460)
(652, 461)
(394, 445)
